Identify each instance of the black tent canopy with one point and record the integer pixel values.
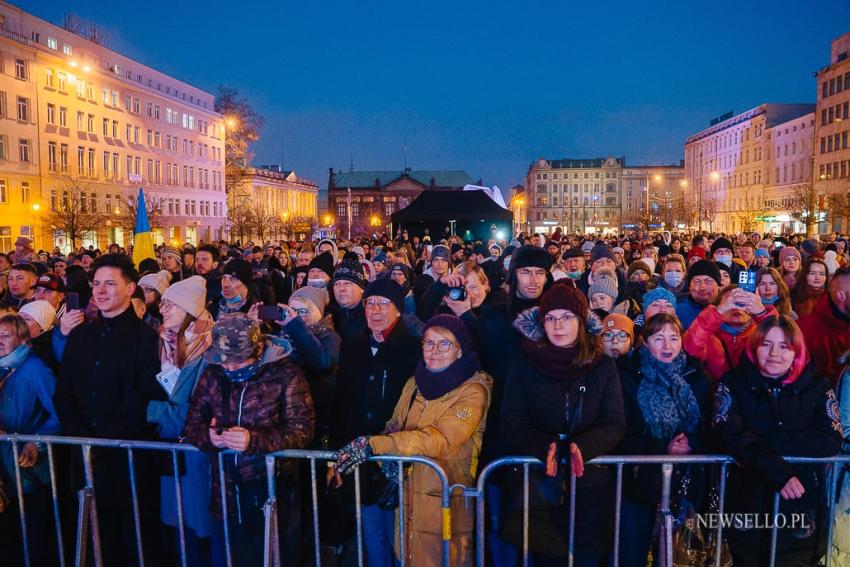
(472, 212)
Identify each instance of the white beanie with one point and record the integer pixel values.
(189, 294)
(158, 281)
(41, 312)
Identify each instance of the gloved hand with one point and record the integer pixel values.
(352, 454)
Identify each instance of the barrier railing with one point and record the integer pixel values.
(88, 544)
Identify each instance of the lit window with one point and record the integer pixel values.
(52, 43)
(66, 49)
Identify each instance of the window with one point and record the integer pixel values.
(81, 160)
(3, 193)
(116, 173)
(128, 101)
(106, 98)
(89, 91)
(136, 104)
(66, 49)
(114, 128)
(25, 191)
(106, 165)
(137, 132)
(129, 132)
(156, 111)
(115, 99)
(21, 69)
(51, 113)
(106, 126)
(91, 160)
(51, 156)
(63, 158)
(90, 124)
(137, 163)
(81, 117)
(2, 103)
(63, 81)
(48, 78)
(52, 43)
(3, 146)
(24, 150)
(23, 109)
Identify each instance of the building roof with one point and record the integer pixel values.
(442, 178)
(570, 163)
(439, 206)
(775, 113)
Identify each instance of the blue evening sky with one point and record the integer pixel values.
(482, 86)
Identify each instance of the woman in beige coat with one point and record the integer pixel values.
(440, 415)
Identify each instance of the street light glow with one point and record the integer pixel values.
(36, 207)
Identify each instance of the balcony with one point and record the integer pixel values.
(14, 36)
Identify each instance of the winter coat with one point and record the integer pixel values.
(213, 287)
(642, 483)
(805, 302)
(589, 410)
(349, 322)
(274, 406)
(369, 385)
(827, 333)
(757, 420)
(170, 418)
(317, 353)
(717, 348)
(449, 430)
(26, 407)
(107, 377)
(687, 310)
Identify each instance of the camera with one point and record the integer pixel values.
(456, 293)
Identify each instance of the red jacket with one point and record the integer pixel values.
(827, 334)
(705, 340)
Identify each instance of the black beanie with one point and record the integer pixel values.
(530, 256)
(602, 251)
(704, 268)
(324, 262)
(239, 269)
(721, 243)
(386, 287)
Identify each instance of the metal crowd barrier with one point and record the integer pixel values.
(88, 528)
(667, 463)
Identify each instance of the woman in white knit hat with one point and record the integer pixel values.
(40, 317)
(153, 286)
(184, 337)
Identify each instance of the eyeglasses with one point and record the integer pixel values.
(165, 305)
(302, 311)
(615, 336)
(552, 320)
(443, 346)
(382, 304)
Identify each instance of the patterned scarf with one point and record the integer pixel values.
(195, 345)
(666, 400)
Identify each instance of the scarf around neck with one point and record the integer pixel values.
(435, 385)
(195, 345)
(554, 362)
(14, 360)
(666, 400)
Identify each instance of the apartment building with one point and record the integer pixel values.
(83, 127)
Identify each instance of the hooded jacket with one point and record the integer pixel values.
(275, 406)
(758, 420)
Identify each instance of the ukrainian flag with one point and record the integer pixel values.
(142, 241)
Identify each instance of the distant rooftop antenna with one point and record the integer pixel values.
(282, 168)
(405, 154)
(351, 164)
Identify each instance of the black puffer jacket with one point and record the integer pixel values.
(642, 483)
(536, 409)
(757, 420)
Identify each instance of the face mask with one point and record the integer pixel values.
(233, 300)
(770, 300)
(673, 279)
(507, 263)
(724, 259)
(242, 374)
(316, 282)
(574, 275)
(649, 262)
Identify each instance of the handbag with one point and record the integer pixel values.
(694, 545)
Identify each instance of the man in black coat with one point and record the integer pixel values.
(207, 266)
(107, 377)
(374, 366)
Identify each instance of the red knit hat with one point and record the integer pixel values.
(564, 295)
(696, 251)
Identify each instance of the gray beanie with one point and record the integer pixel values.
(315, 295)
(604, 281)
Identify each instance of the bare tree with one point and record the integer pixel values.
(126, 215)
(243, 125)
(747, 220)
(839, 207)
(710, 209)
(239, 210)
(85, 28)
(808, 206)
(73, 215)
(263, 222)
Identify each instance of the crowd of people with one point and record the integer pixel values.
(560, 347)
